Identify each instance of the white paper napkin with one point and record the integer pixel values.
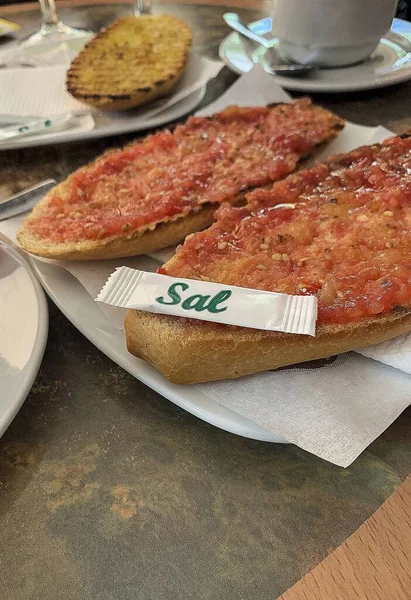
(396, 353)
(47, 54)
(39, 92)
(333, 410)
(256, 88)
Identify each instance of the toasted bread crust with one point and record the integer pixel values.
(133, 61)
(211, 352)
(159, 236)
(155, 237)
(137, 98)
(141, 242)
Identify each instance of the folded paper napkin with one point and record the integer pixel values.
(395, 353)
(38, 92)
(32, 82)
(333, 408)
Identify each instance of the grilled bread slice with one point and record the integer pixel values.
(187, 351)
(341, 231)
(133, 61)
(152, 194)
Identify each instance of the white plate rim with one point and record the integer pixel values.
(221, 417)
(299, 84)
(39, 344)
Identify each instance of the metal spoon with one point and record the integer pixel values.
(281, 68)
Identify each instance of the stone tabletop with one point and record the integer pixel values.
(110, 492)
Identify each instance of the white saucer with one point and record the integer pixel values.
(389, 64)
(23, 331)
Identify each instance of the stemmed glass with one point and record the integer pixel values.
(52, 29)
(143, 7)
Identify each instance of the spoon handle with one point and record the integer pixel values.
(234, 22)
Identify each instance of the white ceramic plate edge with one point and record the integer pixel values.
(39, 345)
(202, 407)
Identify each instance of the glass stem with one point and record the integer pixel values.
(49, 13)
(143, 7)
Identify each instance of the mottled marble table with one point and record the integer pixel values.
(110, 492)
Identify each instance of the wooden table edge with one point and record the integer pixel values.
(374, 563)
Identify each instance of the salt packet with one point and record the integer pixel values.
(207, 301)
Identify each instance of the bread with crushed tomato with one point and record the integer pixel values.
(151, 237)
(345, 237)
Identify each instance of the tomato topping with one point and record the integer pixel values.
(341, 231)
(206, 160)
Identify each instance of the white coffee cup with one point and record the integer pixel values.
(332, 33)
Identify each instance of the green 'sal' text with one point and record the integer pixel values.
(197, 302)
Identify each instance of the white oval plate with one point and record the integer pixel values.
(389, 64)
(79, 307)
(23, 331)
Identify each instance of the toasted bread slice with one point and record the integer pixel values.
(188, 351)
(161, 163)
(341, 231)
(133, 61)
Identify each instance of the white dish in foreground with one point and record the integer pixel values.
(23, 331)
(78, 306)
(109, 124)
(388, 65)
